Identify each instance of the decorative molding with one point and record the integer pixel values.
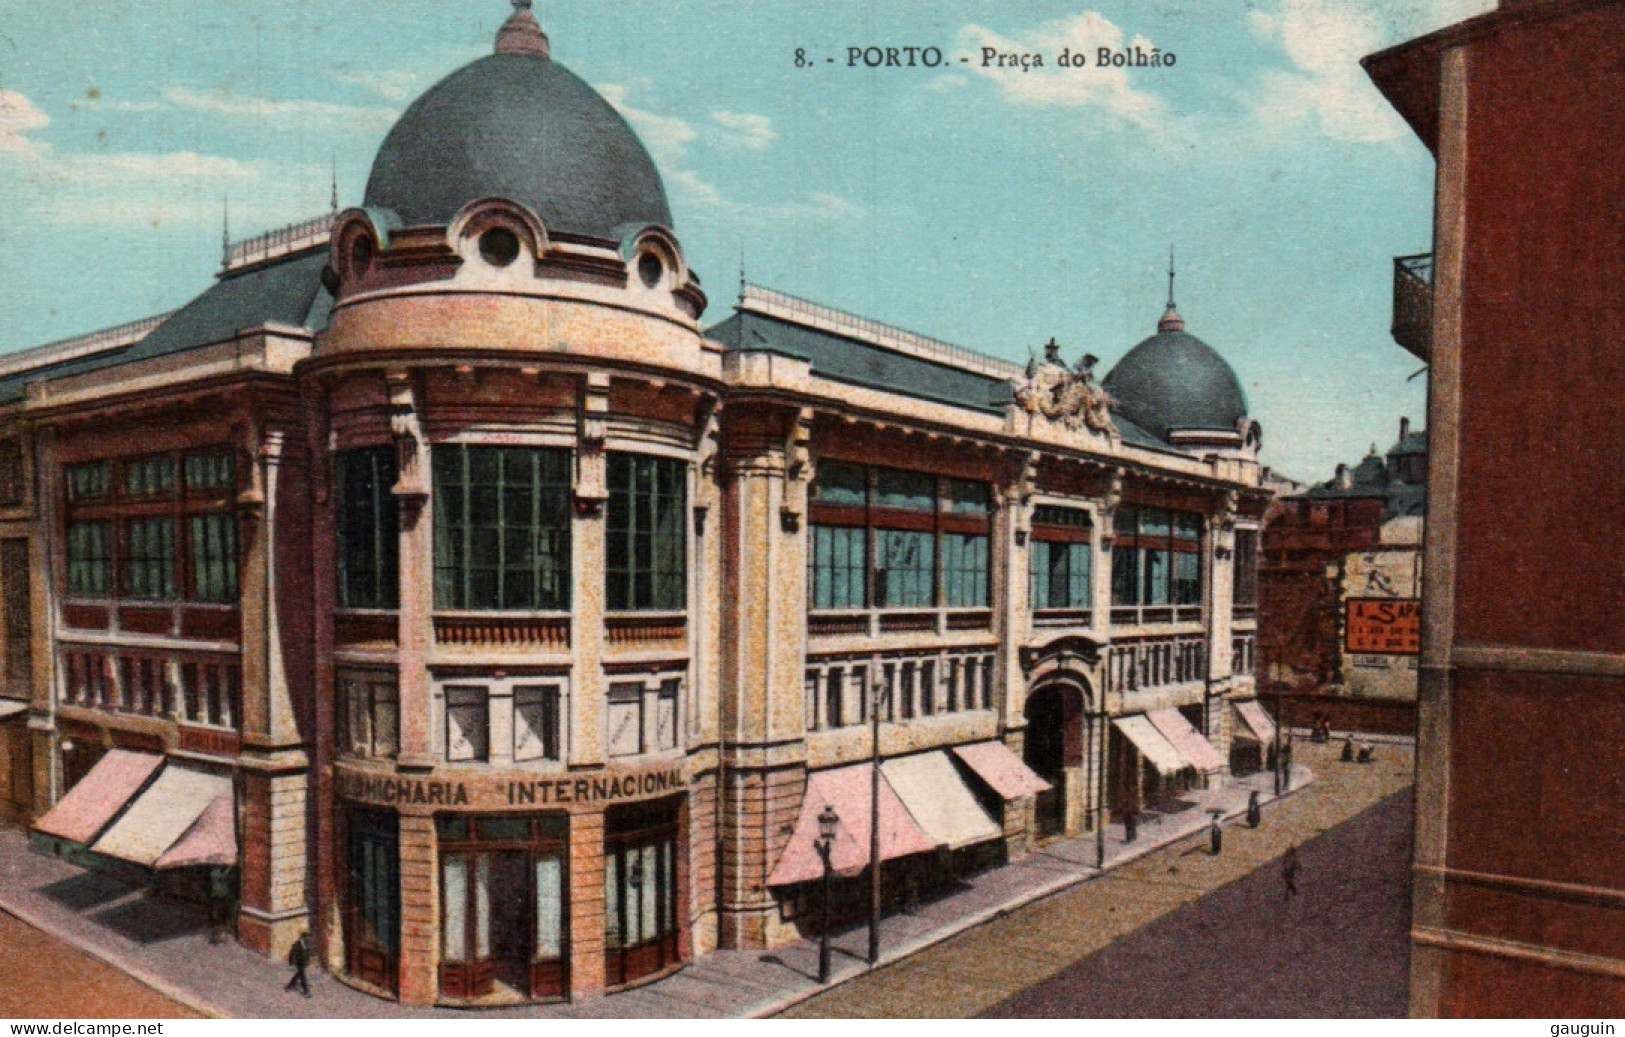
(1537, 887)
(1519, 659)
(1454, 940)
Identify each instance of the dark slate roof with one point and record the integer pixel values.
(857, 362)
(288, 291)
(1174, 380)
(525, 128)
(860, 363)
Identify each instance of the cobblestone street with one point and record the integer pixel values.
(46, 978)
(1122, 945)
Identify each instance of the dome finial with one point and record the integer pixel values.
(1171, 320)
(522, 34)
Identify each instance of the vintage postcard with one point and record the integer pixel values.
(982, 509)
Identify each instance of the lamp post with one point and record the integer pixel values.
(874, 814)
(828, 822)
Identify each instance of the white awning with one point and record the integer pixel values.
(162, 814)
(11, 707)
(931, 788)
(1152, 745)
(1258, 722)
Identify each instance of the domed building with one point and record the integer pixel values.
(437, 582)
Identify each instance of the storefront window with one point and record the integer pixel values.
(504, 900)
(368, 528)
(502, 528)
(646, 538)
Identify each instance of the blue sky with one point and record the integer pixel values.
(990, 208)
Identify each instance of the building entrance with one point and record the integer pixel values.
(372, 919)
(503, 894)
(1054, 743)
(642, 897)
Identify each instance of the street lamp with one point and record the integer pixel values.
(828, 822)
(876, 686)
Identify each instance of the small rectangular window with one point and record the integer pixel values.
(90, 558)
(214, 557)
(536, 717)
(467, 723)
(149, 476)
(666, 715)
(89, 481)
(212, 470)
(625, 718)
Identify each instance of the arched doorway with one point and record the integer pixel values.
(1054, 745)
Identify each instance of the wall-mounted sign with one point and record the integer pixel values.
(505, 791)
(1384, 626)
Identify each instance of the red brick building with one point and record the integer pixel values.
(1519, 891)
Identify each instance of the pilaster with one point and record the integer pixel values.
(416, 618)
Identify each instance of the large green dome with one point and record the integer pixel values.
(518, 126)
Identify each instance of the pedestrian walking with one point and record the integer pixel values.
(1365, 753)
(1289, 870)
(1255, 814)
(299, 958)
(1131, 826)
(1286, 766)
(1215, 836)
(1348, 750)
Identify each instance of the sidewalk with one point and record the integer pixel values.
(165, 945)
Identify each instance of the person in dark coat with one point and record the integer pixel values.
(1348, 750)
(1255, 814)
(1215, 837)
(299, 958)
(1365, 753)
(1289, 870)
(1131, 826)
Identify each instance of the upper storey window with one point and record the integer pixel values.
(1157, 559)
(369, 529)
(647, 537)
(502, 528)
(1061, 555)
(894, 539)
(155, 528)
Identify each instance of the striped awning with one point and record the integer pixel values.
(940, 800)
(1184, 737)
(1157, 750)
(163, 814)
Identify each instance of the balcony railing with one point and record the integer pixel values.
(1413, 304)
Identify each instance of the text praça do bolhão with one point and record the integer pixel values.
(994, 58)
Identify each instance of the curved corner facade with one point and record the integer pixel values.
(509, 629)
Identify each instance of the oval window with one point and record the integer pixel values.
(499, 246)
(650, 269)
(361, 254)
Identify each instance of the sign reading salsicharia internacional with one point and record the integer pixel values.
(505, 791)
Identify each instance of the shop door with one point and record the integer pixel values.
(372, 901)
(640, 900)
(1045, 753)
(503, 891)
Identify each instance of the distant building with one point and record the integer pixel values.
(438, 582)
(1340, 581)
(1519, 891)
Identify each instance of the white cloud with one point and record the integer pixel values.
(223, 102)
(1110, 89)
(1323, 40)
(666, 136)
(396, 84)
(740, 129)
(19, 116)
(817, 207)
